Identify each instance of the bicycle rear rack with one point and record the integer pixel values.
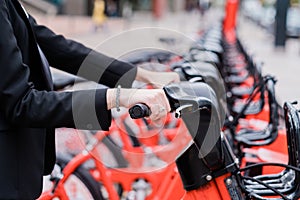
(269, 134)
(288, 181)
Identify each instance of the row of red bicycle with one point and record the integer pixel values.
(229, 137)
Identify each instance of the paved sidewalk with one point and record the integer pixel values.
(113, 37)
(283, 64)
(82, 28)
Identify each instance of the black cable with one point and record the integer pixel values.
(257, 88)
(266, 185)
(270, 164)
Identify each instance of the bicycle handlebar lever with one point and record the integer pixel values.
(181, 108)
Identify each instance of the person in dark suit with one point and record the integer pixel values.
(30, 110)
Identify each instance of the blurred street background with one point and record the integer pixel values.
(257, 30)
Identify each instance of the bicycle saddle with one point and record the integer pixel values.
(252, 137)
(228, 69)
(241, 91)
(269, 134)
(209, 46)
(247, 90)
(215, 31)
(237, 78)
(254, 107)
(62, 79)
(147, 55)
(204, 56)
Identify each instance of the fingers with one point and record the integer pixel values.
(157, 112)
(155, 99)
(160, 107)
(157, 79)
(158, 115)
(164, 78)
(176, 78)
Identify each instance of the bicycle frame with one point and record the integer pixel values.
(215, 190)
(177, 136)
(168, 188)
(78, 160)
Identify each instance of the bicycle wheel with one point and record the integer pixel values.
(72, 142)
(116, 158)
(79, 185)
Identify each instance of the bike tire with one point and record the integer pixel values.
(116, 152)
(87, 181)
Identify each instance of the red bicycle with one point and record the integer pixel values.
(86, 170)
(209, 167)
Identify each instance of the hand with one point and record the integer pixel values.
(157, 79)
(155, 99)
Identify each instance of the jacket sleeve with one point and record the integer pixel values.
(77, 59)
(22, 105)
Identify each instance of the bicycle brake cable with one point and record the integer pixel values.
(270, 164)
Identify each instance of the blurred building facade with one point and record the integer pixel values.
(115, 8)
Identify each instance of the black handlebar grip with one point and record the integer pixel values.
(139, 111)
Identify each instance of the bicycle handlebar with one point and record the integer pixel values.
(182, 99)
(139, 110)
(198, 106)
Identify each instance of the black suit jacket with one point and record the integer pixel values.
(30, 110)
